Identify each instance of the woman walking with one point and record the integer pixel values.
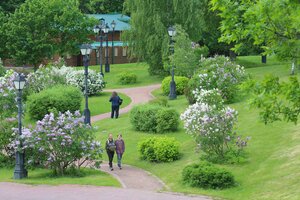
(116, 101)
(120, 148)
(110, 147)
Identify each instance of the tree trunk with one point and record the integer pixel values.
(263, 59)
(232, 55)
(293, 67)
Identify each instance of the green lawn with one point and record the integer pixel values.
(271, 170)
(140, 69)
(100, 103)
(43, 176)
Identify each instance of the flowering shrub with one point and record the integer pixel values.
(46, 77)
(211, 124)
(219, 73)
(159, 149)
(95, 81)
(61, 142)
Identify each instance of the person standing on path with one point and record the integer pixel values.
(120, 148)
(116, 101)
(110, 150)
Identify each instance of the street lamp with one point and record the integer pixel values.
(106, 29)
(113, 26)
(20, 171)
(172, 33)
(86, 51)
(98, 30)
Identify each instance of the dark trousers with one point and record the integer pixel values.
(110, 157)
(115, 111)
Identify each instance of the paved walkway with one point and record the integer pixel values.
(137, 184)
(138, 95)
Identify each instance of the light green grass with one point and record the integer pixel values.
(271, 170)
(43, 176)
(140, 69)
(100, 104)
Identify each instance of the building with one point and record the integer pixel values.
(117, 49)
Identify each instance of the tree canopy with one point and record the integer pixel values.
(148, 37)
(101, 6)
(41, 28)
(272, 24)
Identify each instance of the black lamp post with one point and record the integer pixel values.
(20, 171)
(86, 51)
(113, 26)
(98, 30)
(106, 63)
(172, 33)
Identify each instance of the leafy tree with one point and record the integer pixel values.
(9, 6)
(276, 100)
(41, 28)
(101, 6)
(272, 24)
(148, 37)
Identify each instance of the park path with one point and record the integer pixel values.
(138, 95)
(136, 183)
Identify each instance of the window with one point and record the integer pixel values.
(124, 51)
(116, 51)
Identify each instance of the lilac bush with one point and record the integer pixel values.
(211, 124)
(60, 142)
(222, 74)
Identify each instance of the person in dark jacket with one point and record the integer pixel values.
(115, 104)
(110, 147)
(120, 148)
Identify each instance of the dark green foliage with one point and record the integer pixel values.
(56, 99)
(206, 175)
(167, 120)
(127, 78)
(101, 6)
(154, 118)
(181, 83)
(2, 69)
(193, 83)
(159, 149)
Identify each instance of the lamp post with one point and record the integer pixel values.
(98, 30)
(20, 171)
(106, 35)
(172, 33)
(86, 51)
(113, 26)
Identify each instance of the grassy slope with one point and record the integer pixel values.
(140, 69)
(271, 172)
(43, 176)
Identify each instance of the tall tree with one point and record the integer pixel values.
(101, 6)
(9, 6)
(41, 28)
(272, 24)
(148, 37)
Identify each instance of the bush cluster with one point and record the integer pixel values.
(2, 69)
(56, 99)
(127, 78)
(154, 118)
(181, 83)
(206, 175)
(159, 149)
(217, 73)
(60, 142)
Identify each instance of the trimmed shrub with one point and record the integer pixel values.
(167, 120)
(161, 101)
(154, 118)
(206, 175)
(59, 98)
(159, 149)
(127, 78)
(181, 83)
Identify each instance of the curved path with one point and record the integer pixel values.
(138, 95)
(137, 184)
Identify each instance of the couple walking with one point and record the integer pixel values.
(117, 146)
